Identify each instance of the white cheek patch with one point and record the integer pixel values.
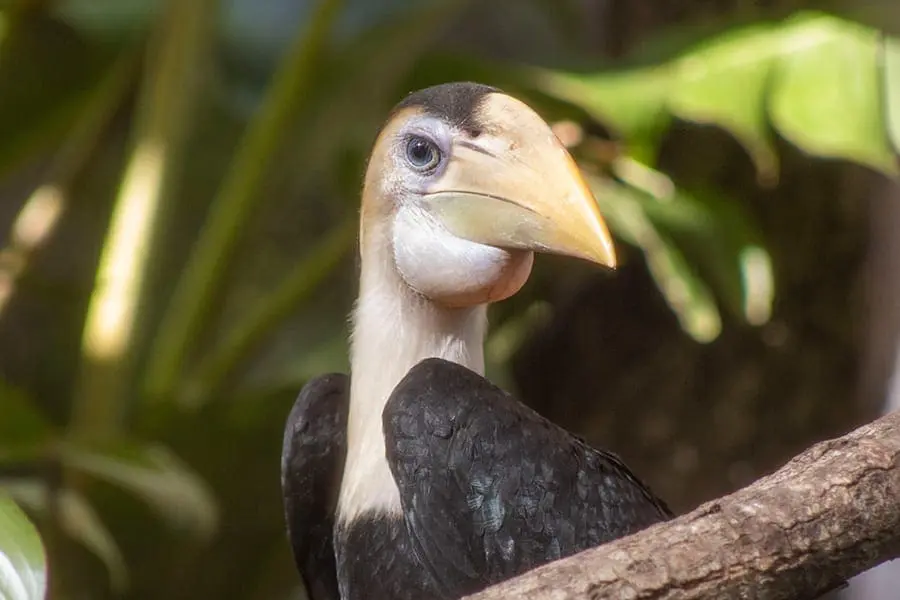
(438, 264)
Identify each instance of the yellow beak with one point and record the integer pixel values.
(516, 186)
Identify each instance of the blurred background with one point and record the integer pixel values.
(179, 186)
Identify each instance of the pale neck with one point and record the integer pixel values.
(393, 329)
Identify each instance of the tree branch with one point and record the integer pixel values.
(830, 513)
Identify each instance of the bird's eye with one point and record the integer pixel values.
(422, 154)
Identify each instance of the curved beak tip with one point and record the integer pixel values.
(607, 254)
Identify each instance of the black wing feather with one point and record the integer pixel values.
(312, 463)
(491, 489)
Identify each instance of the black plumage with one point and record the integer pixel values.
(457, 103)
(518, 490)
(377, 560)
(312, 462)
(489, 489)
(458, 486)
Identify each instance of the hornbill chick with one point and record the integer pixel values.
(416, 478)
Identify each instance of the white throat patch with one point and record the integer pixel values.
(393, 330)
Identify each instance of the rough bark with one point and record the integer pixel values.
(828, 514)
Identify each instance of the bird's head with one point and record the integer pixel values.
(464, 184)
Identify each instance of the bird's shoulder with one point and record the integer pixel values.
(317, 420)
(312, 459)
(516, 469)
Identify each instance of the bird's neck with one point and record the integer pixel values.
(393, 329)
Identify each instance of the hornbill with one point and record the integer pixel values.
(415, 477)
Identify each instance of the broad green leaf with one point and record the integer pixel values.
(24, 433)
(724, 83)
(154, 475)
(826, 94)
(814, 78)
(686, 293)
(631, 102)
(891, 61)
(23, 566)
(78, 520)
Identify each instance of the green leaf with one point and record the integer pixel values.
(78, 520)
(686, 293)
(631, 102)
(814, 78)
(23, 565)
(891, 61)
(723, 82)
(154, 475)
(826, 96)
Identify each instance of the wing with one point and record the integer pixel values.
(491, 489)
(312, 462)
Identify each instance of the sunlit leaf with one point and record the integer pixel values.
(167, 102)
(23, 567)
(78, 520)
(686, 293)
(23, 430)
(154, 475)
(814, 78)
(631, 102)
(826, 95)
(724, 83)
(891, 62)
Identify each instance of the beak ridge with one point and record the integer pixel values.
(538, 202)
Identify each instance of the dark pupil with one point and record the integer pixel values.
(420, 152)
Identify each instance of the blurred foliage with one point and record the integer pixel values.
(817, 80)
(220, 161)
(23, 568)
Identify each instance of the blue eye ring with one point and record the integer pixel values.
(422, 153)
